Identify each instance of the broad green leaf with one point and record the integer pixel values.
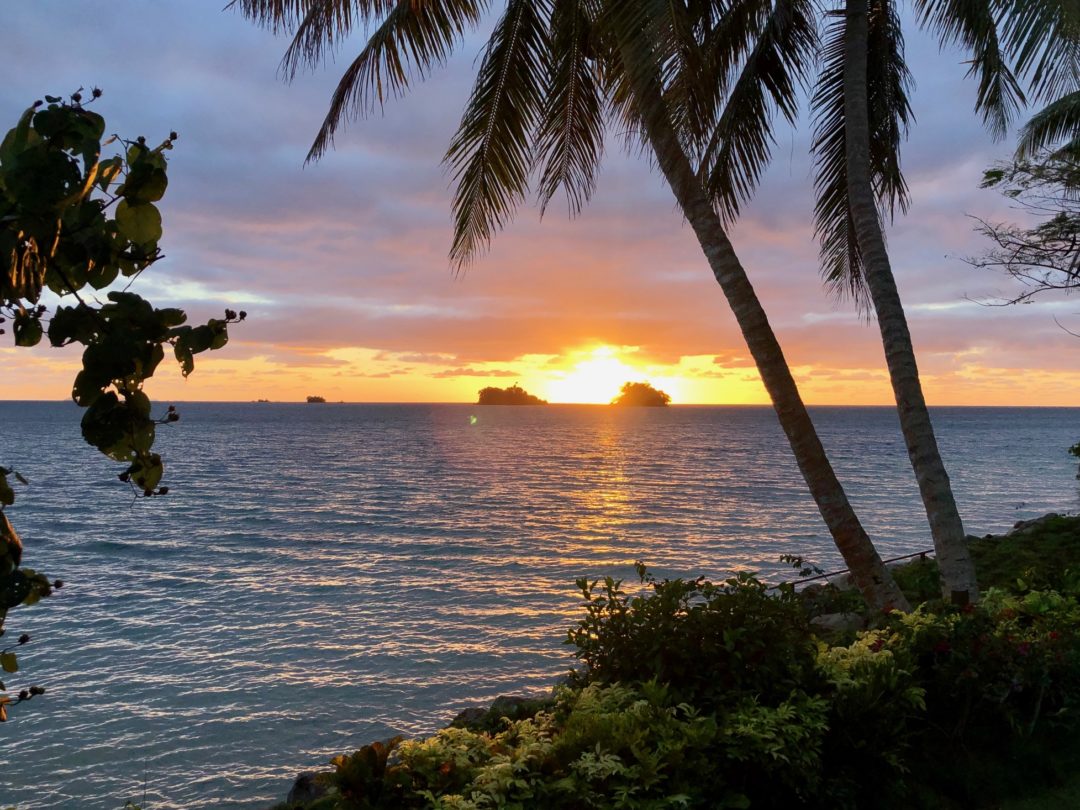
(171, 317)
(221, 337)
(87, 388)
(141, 223)
(145, 183)
(102, 275)
(108, 171)
(27, 330)
(76, 324)
(184, 357)
(148, 475)
(9, 662)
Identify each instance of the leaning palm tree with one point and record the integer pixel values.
(862, 112)
(553, 75)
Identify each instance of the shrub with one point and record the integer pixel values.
(710, 644)
(696, 695)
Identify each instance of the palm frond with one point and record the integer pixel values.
(326, 20)
(677, 28)
(633, 57)
(569, 138)
(413, 38)
(491, 154)
(1044, 38)
(888, 86)
(276, 15)
(1056, 122)
(973, 25)
(740, 144)
(889, 83)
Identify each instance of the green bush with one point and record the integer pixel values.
(710, 644)
(696, 695)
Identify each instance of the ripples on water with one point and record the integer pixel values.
(325, 575)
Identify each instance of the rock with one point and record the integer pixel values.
(306, 789)
(814, 590)
(1028, 526)
(838, 622)
(844, 583)
(489, 718)
(468, 717)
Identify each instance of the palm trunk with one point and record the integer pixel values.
(957, 569)
(870, 574)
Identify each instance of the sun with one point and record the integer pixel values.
(595, 379)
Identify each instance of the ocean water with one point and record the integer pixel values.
(324, 575)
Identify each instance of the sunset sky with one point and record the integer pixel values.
(342, 265)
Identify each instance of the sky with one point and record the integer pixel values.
(342, 264)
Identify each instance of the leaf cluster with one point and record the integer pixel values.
(73, 223)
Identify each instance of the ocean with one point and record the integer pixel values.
(321, 576)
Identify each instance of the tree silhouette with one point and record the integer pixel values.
(641, 393)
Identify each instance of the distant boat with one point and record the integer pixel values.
(262, 400)
(315, 400)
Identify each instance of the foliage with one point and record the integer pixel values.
(72, 223)
(641, 393)
(1001, 685)
(367, 779)
(745, 640)
(1044, 256)
(514, 395)
(943, 707)
(1044, 554)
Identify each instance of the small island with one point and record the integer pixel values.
(316, 400)
(641, 394)
(514, 395)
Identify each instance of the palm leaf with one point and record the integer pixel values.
(972, 24)
(1056, 122)
(632, 57)
(492, 152)
(741, 139)
(569, 138)
(409, 38)
(888, 85)
(1044, 38)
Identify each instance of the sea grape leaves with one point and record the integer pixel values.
(74, 222)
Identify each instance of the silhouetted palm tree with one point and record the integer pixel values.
(697, 81)
(861, 114)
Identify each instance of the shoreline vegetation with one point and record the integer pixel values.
(745, 695)
(514, 395)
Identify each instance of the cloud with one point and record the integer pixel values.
(463, 371)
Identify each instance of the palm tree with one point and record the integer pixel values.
(862, 112)
(553, 73)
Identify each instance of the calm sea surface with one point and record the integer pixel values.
(324, 575)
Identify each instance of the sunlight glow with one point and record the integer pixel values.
(595, 379)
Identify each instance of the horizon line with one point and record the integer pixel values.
(575, 404)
